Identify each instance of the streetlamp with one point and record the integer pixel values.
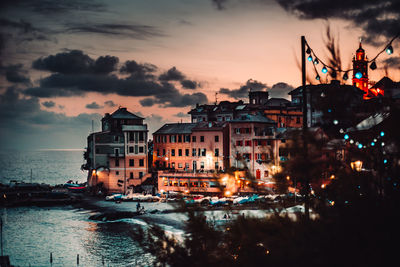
(356, 165)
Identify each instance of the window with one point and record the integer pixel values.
(131, 162)
(136, 149)
(180, 152)
(173, 165)
(237, 130)
(193, 138)
(116, 162)
(186, 166)
(141, 149)
(186, 152)
(239, 143)
(140, 175)
(187, 138)
(116, 138)
(131, 149)
(193, 152)
(180, 165)
(247, 156)
(266, 174)
(173, 152)
(179, 138)
(216, 152)
(203, 152)
(216, 165)
(202, 138)
(141, 162)
(141, 136)
(199, 152)
(248, 143)
(131, 175)
(116, 151)
(216, 138)
(97, 150)
(172, 139)
(131, 136)
(202, 165)
(117, 173)
(163, 152)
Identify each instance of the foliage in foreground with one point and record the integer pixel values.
(358, 234)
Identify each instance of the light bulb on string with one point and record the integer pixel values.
(309, 58)
(382, 133)
(316, 61)
(317, 77)
(345, 76)
(308, 51)
(372, 143)
(324, 70)
(346, 136)
(358, 75)
(389, 49)
(360, 146)
(373, 65)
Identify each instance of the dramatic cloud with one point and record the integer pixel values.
(47, 7)
(188, 84)
(110, 103)
(280, 90)
(182, 115)
(24, 125)
(49, 104)
(15, 74)
(140, 32)
(393, 62)
(243, 91)
(76, 62)
(219, 4)
(75, 74)
(147, 102)
(93, 105)
(172, 75)
(138, 71)
(376, 18)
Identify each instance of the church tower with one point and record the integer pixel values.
(360, 70)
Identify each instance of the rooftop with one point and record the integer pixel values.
(176, 128)
(122, 113)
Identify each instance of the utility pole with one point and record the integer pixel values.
(305, 125)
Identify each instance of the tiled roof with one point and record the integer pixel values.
(253, 118)
(122, 113)
(176, 128)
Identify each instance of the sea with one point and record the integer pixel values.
(58, 236)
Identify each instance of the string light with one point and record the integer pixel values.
(317, 77)
(324, 70)
(346, 136)
(373, 65)
(388, 49)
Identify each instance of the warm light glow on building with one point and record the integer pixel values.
(356, 165)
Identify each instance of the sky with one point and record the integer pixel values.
(65, 63)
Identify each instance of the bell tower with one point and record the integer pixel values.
(360, 70)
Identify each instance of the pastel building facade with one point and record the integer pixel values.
(254, 146)
(116, 157)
